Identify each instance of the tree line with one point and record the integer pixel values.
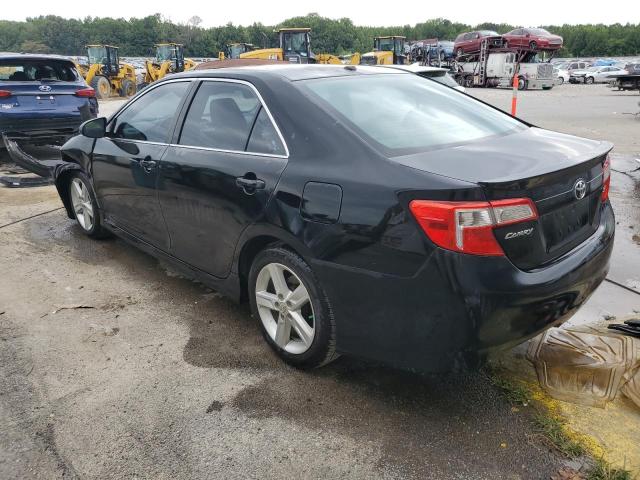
(136, 36)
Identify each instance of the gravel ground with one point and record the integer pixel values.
(112, 366)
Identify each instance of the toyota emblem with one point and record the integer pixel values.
(580, 189)
(44, 88)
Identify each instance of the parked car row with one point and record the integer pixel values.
(525, 38)
(600, 71)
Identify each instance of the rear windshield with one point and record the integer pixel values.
(403, 114)
(36, 70)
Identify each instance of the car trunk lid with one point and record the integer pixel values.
(562, 174)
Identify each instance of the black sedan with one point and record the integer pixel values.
(359, 210)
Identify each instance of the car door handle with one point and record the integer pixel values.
(250, 185)
(148, 165)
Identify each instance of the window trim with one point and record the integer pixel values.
(150, 88)
(241, 152)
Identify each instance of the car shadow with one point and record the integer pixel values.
(455, 425)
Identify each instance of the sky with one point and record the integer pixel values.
(270, 12)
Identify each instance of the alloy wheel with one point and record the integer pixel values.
(285, 308)
(81, 201)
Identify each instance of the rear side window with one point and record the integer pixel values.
(221, 116)
(150, 118)
(408, 115)
(264, 138)
(36, 70)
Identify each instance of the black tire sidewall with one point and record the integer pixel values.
(96, 229)
(321, 350)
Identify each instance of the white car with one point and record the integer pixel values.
(595, 75)
(440, 75)
(562, 75)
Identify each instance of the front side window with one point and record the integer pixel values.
(221, 116)
(409, 114)
(150, 118)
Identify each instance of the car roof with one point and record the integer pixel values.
(288, 71)
(32, 56)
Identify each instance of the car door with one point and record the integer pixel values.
(515, 38)
(219, 173)
(125, 162)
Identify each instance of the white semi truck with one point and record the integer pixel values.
(496, 68)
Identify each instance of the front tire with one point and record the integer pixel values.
(102, 86)
(533, 45)
(522, 84)
(84, 205)
(560, 80)
(128, 88)
(588, 80)
(292, 310)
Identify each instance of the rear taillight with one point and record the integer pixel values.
(5, 93)
(467, 227)
(85, 92)
(606, 178)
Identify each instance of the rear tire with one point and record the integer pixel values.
(459, 52)
(102, 86)
(560, 80)
(84, 206)
(283, 309)
(533, 45)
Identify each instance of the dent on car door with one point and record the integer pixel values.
(219, 174)
(125, 162)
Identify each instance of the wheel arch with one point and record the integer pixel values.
(62, 182)
(257, 238)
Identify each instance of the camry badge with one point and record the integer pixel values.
(44, 88)
(580, 189)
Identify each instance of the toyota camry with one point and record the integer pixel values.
(359, 210)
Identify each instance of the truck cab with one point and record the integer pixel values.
(501, 67)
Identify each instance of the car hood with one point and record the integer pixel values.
(520, 155)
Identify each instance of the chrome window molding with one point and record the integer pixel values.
(194, 147)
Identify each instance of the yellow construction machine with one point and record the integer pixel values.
(106, 74)
(294, 47)
(353, 59)
(169, 59)
(388, 50)
(234, 50)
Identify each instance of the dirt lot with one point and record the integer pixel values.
(112, 366)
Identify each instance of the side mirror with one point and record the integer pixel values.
(94, 128)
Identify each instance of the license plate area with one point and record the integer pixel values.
(567, 223)
(45, 100)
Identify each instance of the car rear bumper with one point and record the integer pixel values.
(459, 306)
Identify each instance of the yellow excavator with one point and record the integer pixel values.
(234, 50)
(294, 47)
(388, 50)
(169, 59)
(106, 74)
